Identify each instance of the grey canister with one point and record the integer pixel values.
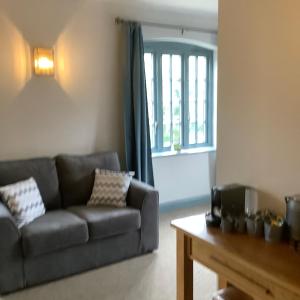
(255, 227)
(226, 224)
(293, 216)
(240, 224)
(273, 233)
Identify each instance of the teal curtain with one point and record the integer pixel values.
(136, 120)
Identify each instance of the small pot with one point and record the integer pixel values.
(273, 233)
(240, 224)
(255, 227)
(226, 225)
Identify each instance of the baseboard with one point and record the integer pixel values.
(183, 203)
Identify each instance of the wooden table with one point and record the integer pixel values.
(264, 271)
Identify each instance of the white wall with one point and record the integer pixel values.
(80, 110)
(183, 176)
(258, 103)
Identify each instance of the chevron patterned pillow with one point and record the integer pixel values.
(24, 201)
(110, 188)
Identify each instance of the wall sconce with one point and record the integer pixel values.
(43, 61)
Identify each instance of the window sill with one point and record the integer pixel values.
(183, 152)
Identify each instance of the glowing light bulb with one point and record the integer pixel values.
(43, 61)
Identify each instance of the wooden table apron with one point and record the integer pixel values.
(230, 257)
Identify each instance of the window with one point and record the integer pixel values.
(179, 81)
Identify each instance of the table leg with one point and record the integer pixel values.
(184, 268)
(222, 282)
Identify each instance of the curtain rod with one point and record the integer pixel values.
(169, 26)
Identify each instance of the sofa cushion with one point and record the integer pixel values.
(53, 231)
(105, 221)
(23, 200)
(110, 188)
(76, 174)
(43, 170)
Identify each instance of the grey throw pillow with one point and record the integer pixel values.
(24, 201)
(110, 188)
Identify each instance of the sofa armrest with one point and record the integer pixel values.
(8, 227)
(145, 198)
(11, 257)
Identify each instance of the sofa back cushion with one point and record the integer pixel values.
(76, 175)
(43, 170)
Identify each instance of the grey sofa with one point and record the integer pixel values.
(72, 237)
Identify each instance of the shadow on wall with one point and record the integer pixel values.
(14, 59)
(49, 20)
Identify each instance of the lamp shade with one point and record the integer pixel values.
(43, 61)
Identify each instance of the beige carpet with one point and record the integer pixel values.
(149, 277)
